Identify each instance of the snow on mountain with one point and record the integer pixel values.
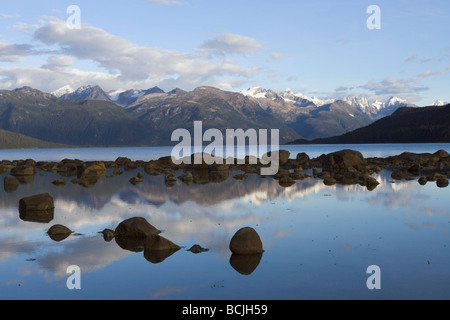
(440, 103)
(127, 97)
(86, 93)
(394, 101)
(62, 91)
(115, 94)
(376, 109)
(288, 96)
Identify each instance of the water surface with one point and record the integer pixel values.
(318, 240)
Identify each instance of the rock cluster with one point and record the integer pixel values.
(342, 167)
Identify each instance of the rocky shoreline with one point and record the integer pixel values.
(343, 167)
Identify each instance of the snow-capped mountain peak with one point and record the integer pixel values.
(62, 91)
(440, 103)
(395, 101)
(255, 92)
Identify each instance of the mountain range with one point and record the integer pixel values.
(136, 117)
(310, 118)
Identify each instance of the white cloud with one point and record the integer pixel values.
(10, 16)
(278, 55)
(57, 63)
(429, 73)
(230, 43)
(394, 86)
(124, 64)
(165, 2)
(11, 52)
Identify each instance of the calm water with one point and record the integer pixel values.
(318, 240)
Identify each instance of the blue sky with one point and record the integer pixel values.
(319, 48)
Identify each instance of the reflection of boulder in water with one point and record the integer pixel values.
(245, 264)
(24, 173)
(136, 235)
(59, 232)
(108, 235)
(24, 170)
(10, 183)
(42, 216)
(157, 248)
(38, 208)
(130, 244)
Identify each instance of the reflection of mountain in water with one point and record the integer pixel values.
(153, 190)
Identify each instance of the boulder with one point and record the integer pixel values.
(196, 248)
(246, 241)
(442, 153)
(39, 208)
(302, 158)
(93, 170)
(342, 160)
(283, 157)
(137, 228)
(24, 170)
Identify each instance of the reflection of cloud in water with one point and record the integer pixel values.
(89, 253)
(206, 214)
(166, 291)
(9, 246)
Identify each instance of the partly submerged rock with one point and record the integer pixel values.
(196, 248)
(24, 170)
(93, 170)
(246, 241)
(135, 227)
(342, 160)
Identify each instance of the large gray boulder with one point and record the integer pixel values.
(136, 227)
(246, 241)
(343, 160)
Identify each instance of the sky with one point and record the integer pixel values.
(327, 49)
